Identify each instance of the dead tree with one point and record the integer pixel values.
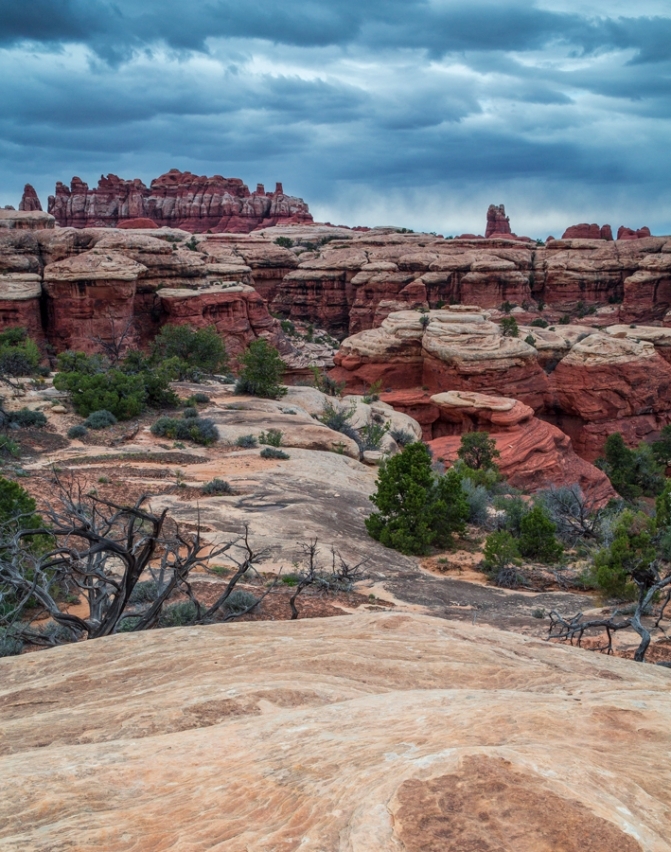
(340, 578)
(650, 583)
(97, 550)
(115, 345)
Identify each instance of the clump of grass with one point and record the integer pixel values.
(217, 487)
(272, 453)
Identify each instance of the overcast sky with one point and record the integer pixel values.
(411, 112)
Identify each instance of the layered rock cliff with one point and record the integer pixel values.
(178, 200)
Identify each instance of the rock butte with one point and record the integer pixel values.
(364, 732)
(175, 199)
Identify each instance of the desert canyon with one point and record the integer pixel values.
(423, 710)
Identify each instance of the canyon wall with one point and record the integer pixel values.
(175, 199)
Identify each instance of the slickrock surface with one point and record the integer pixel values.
(364, 733)
(176, 199)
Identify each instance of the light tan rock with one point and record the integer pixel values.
(366, 733)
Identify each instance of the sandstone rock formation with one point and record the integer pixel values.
(588, 232)
(176, 199)
(497, 221)
(363, 732)
(29, 201)
(534, 454)
(76, 287)
(631, 234)
(587, 383)
(25, 220)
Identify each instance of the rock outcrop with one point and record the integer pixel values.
(587, 383)
(588, 232)
(497, 221)
(370, 732)
(631, 234)
(29, 200)
(75, 288)
(178, 200)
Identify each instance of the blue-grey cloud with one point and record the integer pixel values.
(429, 104)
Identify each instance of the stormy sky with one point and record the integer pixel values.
(410, 112)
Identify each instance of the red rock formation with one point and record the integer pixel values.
(130, 224)
(29, 201)
(588, 232)
(629, 234)
(534, 454)
(176, 199)
(497, 221)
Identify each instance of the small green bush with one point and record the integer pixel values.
(189, 412)
(501, 553)
(9, 447)
(217, 487)
(198, 399)
(273, 453)
(178, 614)
(239, 600)
(273, 437)
(284, 242)
(26, 417)
(247, 442)
(403, 437)
(19, 355)
(10, 645)
(537, 537)
(262, 371)
(200, 430)
(530, 339)
(478, 451)
(539, 323)
(509, 327)
(565, 319)
(145, 592)
(78, 431)
(100, 420)
(124, 395)
(191, 352)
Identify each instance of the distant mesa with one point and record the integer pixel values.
(603, 232)
(176, 199)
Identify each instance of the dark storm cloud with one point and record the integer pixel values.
(345, 99)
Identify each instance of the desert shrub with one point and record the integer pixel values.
(145, 592)
(537, 537)
(273, 453)
(262, 371)
(100, 420)
(178, 614)
(239, 600)
(339, 419)
(19, 355)
(8, 447)
(539, 323)
(509, 327)
(326, 384)
(191, 352)
(372, 435)
(248, 442)
(217, 487)
(530, 339)
(121, 394)
(10, 644)
(273, 437)
(189, 411)
(78, 431)
(26, 417)
(200, 430)
(416, 509)
(478, 451)
(513, 510)
(288, 327)
(501, 554)
(565, 319)
(198, 399)
(632, 472)
(628, 556)
(284, 242)
(373, 392)
(403, 437)
(424, 320)
(570, 512)
(507, 307)
(477, 498)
